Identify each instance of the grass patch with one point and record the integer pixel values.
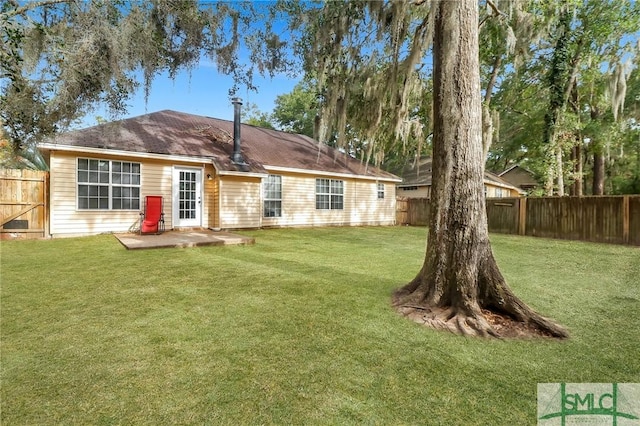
(296, 329)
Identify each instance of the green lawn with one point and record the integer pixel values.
(294, 330)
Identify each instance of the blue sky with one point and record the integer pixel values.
(204, 92)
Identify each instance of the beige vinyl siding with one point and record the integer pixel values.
(207, 189)
(229, 202)
(67, 220)
(298, 202)
(368, 209)
(421, 192)
(361, 204)
(211, 198)
(240, 202)
(493, 191)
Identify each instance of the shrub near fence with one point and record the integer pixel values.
(605, 219)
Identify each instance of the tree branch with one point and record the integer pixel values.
(575, 63)
(496, 12)
(34, 5)
(492, 80)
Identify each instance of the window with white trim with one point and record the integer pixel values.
(108, 185)
(329, 194)
(272, 195)
(380, 191)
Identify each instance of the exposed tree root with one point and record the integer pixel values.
(497, 300)
(487, 323)
(478, 303)
(449, 320)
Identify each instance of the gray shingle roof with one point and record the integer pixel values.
(174, 133)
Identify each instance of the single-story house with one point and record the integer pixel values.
(211, 173)
(521, 177)
(416, 182)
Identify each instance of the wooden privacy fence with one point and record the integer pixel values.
(603, 219)
(412, 211)
(23, 203)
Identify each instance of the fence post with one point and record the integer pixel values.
(522, 215)
(45, 198)
(625, 219)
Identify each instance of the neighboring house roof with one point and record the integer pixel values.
(519, 176)
(498, 181)
(419, 174)
(171, 133)
(416, 174)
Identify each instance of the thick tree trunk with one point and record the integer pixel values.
(598, 173)
(576, 149)
(597, 188)
(560, 169)
(487, 130)
(550, 174)
(459, 283)
(576, 157)
(487, 118)
(562, 80)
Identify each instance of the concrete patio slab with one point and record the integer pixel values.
(186, 238)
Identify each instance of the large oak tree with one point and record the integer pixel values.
(460, 283)
(371, 60)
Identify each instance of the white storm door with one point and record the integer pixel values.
(187, 197)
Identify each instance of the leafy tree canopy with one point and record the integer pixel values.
(60, 58)
(255, 117)
(296, 111)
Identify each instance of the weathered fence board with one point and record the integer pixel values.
(502, 215)
(23, 203)
(597, 219)
(608, 219)
(402, 211)
(418, 211)
(634, 221)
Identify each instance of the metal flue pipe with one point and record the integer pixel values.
(236, 157)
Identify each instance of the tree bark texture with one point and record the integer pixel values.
(487, 118)
(560, 168)
(576, 157)
(576, 150)
(598, 173)
(550, 173)
(460, 278)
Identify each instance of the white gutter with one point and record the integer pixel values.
(244, 174)
(325, 173)
(108, 151)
